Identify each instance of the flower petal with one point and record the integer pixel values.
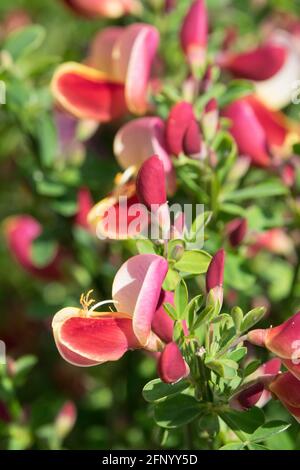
(133, 55)
(87, 341)
(137, 287)
(215, 272)
(178, 123)
(151, 183)
(138, 140)
(87, 94)
(171, 365)
(162, 323)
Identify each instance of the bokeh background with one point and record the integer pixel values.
(42, 177)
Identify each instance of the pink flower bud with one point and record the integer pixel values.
(192, 141)
(65, 419)
(85, 204)
(210, 119)
(194, 33)
(215, 272)
(180, 118)
(171, 366)
(151, 183)
(287, 389)
(236, 231)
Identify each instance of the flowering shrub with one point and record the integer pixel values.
(150, 174)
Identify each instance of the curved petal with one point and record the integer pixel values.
(137, 287)
(257, 64)
(171, 365)
(138, 140)
(274, 123)
(248, 132)
(87, 94)
(162, 323)
(101, 50)
(87, 341)
(287, 388)
(194, 31)
(284, 340)
(133, 55)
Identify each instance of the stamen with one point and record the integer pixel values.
(86, 301)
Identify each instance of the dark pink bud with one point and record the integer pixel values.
(84, 205)
(151, 183)
(192, 141)
(162, 323)
(178, 122)
(171, 365)
(194, 33)
(215, 272)
(66, 419)
(236, 231)
(211, 105)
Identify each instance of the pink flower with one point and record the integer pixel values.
(282, 340)
(287, 389)
(106, 8)
(138, 140)
(236, 231)
(86, 337)
(20, 233)
(272, 66)
(274, 240)
(256, 129)
(255, 392)
(193, 34)
(182, 130)
(116, 77)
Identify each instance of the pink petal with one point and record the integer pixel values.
(138, 140)
(284, 340)
(178, 123)
(192, 141)
(194, 32)
(258, 64)
(101, 50)
(236, 231)
(162, 323)
(87, 341)
(172, 366)
(134, 53)
(105, 8)
(248, 132)
(151, 183)
(287, 388)
(137, 287)
(215, 272)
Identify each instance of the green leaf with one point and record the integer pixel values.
(171, 311)
(226, 368)
(246, 421)
(252, 317)
(176, 411)
(236, 89)
(233, 446)
(171, 280)
(145, 247)
(24, 41)
(23, 367)
(251, 367)
(43, 251)
(206, 315)
(181, 299)
(192, 308)
(193, 262)
(261, 190)
(257, 447)
(237, 317)
(268, 430)
(156, 390)
(238, 354)
(47, 138)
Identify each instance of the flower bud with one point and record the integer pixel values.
(287, 389)
(151, 183)
(236, 231)
(215, 272)
(65, 419)
(171, 366)
(194, 33)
